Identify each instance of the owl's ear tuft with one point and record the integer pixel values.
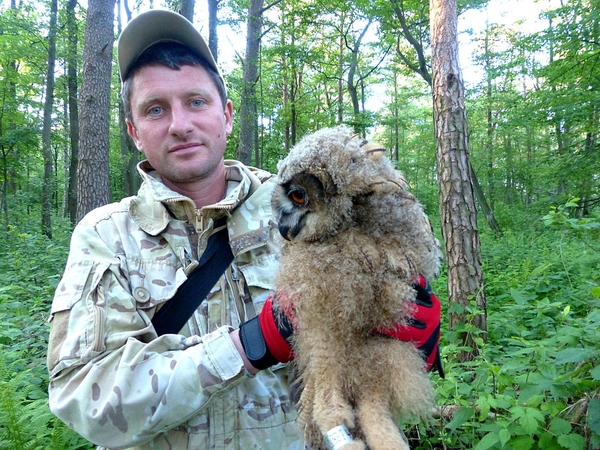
(373, 150)
(385, 186)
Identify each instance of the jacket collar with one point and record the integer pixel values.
(156, 205)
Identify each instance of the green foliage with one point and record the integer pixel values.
(536, 383)
(562, 216)
(30, 266)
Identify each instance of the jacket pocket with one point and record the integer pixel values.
(261, 272)
(152, 283)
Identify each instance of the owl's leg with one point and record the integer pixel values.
(306, 401)
(378, 426)
(331, 407)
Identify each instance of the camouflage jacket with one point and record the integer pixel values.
(118, 384)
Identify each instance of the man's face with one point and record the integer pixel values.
(179, 121)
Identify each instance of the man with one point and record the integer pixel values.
(113, 378)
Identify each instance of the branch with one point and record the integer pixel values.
(374, 68)
(237, 54)
(266, 8)
(264, 33)
(405, 59)
(359, 40)
(422, 67)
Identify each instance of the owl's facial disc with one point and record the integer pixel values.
(292, 216)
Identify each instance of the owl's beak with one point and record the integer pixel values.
(289, 228)
(286, 232)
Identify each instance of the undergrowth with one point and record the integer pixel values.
(30, 266)
(534, 385)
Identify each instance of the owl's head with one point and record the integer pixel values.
(321, 180)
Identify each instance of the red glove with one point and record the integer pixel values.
(266, 338)
(423, 328)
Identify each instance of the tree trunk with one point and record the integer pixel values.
(359, 125)
(420, 65)
(94, 144)
(9, 182)
(483, 204)
(131, 180)
(457, 203)
(48, 183)
(73, 110)
(187, 9)
(248, 110)
(340, 86)
(396, 115)
(213, 22)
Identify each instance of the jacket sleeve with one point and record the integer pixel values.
(111, 378)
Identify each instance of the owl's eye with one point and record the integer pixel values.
(298, 196)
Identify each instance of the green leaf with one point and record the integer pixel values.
(548, 442)
(529, 423)
(460, 416)
(504, 436)
(488, 441)
(521, 298)
(456, 308)
(596, 373)
(575, 355)
(560, 426)
(522, 443)
(594, 415)
(596, 292)
(528, 418)
(572, 441)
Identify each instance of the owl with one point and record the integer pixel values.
(355, 242)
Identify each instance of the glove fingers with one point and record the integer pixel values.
(423, 297)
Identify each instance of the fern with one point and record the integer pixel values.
(13, 431)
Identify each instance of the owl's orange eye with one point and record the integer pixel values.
(298, 197)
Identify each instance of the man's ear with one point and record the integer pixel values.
(132, 131)
(228, 112)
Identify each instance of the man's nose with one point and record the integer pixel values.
(181, 121)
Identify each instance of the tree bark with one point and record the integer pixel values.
(359, 125)
(187, 9)
(48, 183)
(483, 204)
(457, 203)
(73, 110)
(248, 110)
(213, 22)
(92, 170)
(129, 175)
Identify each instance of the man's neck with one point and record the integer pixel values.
(203, 192)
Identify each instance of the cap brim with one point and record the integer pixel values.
(156, 26)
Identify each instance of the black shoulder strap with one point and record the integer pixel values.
(216, 258)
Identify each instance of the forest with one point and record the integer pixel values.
(520, 329)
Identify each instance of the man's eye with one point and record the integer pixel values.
(155, 111)
(197, 103)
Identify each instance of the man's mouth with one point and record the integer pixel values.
(183, 147)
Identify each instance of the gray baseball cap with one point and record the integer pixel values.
(156, 26)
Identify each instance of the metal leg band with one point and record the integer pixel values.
(337, 437)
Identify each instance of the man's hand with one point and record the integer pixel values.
(266, 338)
(423, 328)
